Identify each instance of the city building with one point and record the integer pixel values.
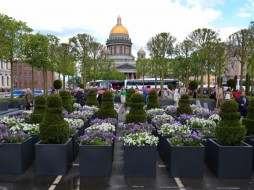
(119, 49)
(5, 76)
(23, 77)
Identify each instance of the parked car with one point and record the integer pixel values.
(16, 94)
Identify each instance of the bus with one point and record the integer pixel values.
(115, 84)
(149, 83)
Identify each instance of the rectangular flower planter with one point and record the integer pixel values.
(82, 129)
(250, 140)
(140, 161)
(36, 138)
(16, 157)
(75, 145)
(53, 159)
(163, 148)
(95, 160)
(186, 161)
(229, 161)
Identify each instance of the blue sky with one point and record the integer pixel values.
(143, 18)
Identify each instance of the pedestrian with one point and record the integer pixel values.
(243, 103)
(166, 93)
(236, 94)
(145, 94)
(53, 91)
(82, 98)
(123, 95)
(28, 99)
(228, 94)
(78, 95)
(176, 97)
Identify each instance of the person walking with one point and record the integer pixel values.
(28, 99)
(82, 98)
(123, 95)
(243, 103)
(176, 97)
(78, 95)
(145, 94)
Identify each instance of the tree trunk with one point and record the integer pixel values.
(12, 76)
(94, 71)
(241, 77)
(208, 76)
(33, 80)
(63, 80)
(84, 76)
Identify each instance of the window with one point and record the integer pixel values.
(7, 81)
(2, 80)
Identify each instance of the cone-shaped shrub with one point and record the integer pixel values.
(66, 100)
(53, 128)
(39, 109)
(248, 122)
(184, 105)
(91, 99)
(137, 113)
(229, 130)
(152, 100)
(130, 92)
(107, 107)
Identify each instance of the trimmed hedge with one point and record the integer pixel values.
(184, 105)
(229, 131)
(39, 109)
(249, 120)
(66, 100)
(53, 128)
(152, 100)
(137, 113)
(107, 107)
(91, 99)
(57, 84)
(130, 92)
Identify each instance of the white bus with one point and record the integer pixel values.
(149, 83)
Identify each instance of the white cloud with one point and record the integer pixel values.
(244, 15)
(142, 18)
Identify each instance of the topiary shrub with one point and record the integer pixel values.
(66, 100)
(81, 85)
(248, 122)
(107, 107)
(130, 92)
(193, 85)
(231, 83)
(229, 130)
(57, 84)
(39, 109)
(91, 99)
(137, 113)
(53, 128)
(153, 100)
(184, 105)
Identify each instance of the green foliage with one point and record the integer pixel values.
(53, 128)
(39, 109)
(231, 83)
(57, 84)
(184, 105)
(81, 85)
(249, 120)
(170, 86)
(152, 100)
(229, 130)
(137, 113)
(91, 99)
(130, 92)
(66, 100)
(107, 107)
(193, 85)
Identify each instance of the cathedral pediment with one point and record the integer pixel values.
(125, 66)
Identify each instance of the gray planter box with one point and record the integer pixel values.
(186, 161)
(75, 145)
(140, 161)
(53, 159)
(229, 161)
(95, 160)
(16, 157)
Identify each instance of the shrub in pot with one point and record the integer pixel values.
(107, 107)
(39, 109)
(57, 84)
(248, 122)
(184, 105)
(66, 100)
(137, 113)
(153, 100)
(130, 92)
(91, 99)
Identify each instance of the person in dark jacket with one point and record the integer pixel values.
(243, 103)
(82, 98)
(78, 95)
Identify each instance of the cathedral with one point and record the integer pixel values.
(119, 47)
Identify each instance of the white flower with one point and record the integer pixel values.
(103, 127)
(140, 139)
(76, 105)
(215, 117)
(75, 122)
(173, 129)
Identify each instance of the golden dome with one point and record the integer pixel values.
(119, 28)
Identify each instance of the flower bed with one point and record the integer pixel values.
(131, 128)
(107, 127)
(112, 121)
(140, 139)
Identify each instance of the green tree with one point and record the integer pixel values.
(201, 39)
(142, 67)
(160, 47)
(12, 41)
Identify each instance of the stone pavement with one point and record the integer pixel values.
(29, 181)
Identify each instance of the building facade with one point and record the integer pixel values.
(23, 77)
(5, 76)
(119, 50)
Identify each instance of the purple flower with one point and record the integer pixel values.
(139, 127)
(98, 121)
(97, 138)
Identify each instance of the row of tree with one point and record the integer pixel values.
(201, 54)
(18, 43)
